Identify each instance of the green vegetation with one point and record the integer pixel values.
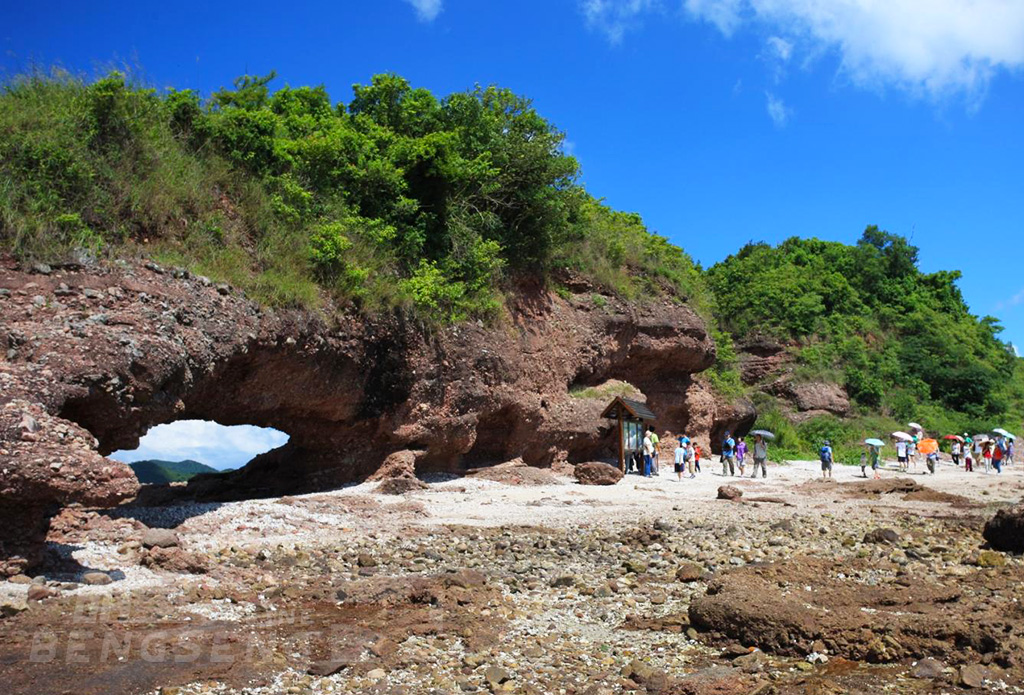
(402, 201)
(606, 391)
(902, 342)
(156, 472)
(395, 200)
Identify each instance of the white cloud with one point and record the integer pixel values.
(427, 10)
(207, 442)
(614, 17)
(779, 48)
(777, 110)
(934, 48)
(724, 14)
(1011, 302)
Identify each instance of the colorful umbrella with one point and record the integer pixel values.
(902, 435)
(764, 433)
(957, 437)
(928, 446)
(874, 442)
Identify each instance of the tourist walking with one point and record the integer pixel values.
(691, 457)
(826, 460)
(954, 451)
(648, 454)
(968, 460)
(986, 455)
(875, 456)
(760, 456)
(728, 455)
(997, 459)
(1008, 459)
(656, 457)
(696, 457)
(912, 454)
(741, 455)
(680, 458)
(901, 454)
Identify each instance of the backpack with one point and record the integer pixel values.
(826, 454)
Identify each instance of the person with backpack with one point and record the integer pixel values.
(760, 456)
(728, 451)
(826, 460)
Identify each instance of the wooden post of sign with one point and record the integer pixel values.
(622, 444)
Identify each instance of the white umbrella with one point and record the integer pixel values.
(915, 426)
(982, 438)
(902, 435)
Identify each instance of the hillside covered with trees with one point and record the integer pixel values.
(903, 343)
(399, 200)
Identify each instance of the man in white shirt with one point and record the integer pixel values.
(901, 454)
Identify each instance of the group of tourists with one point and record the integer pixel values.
(993, 454)
(981, 450)
(687, 456)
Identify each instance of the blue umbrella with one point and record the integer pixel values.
(874, 442)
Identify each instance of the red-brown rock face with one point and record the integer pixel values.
(109, 352)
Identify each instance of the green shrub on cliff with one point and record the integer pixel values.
(397, 198)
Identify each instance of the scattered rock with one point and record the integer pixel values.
(159, 538)
(400, 486)
(928, 668)
(38, 592)
(96, 578)
(974, 676)
(886, 536)
(366, 560)
(689, 572)
(596, 473)
(989, 558)
(12, 605)
(1005, 531)
(729, 492)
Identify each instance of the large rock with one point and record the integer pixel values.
(813, 397)
(597, 473)
(797, 606)
(123, 348)
(1005, 531)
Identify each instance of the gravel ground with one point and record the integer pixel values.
(577, 589)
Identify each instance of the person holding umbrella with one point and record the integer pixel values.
(761, 438)
(873, 456)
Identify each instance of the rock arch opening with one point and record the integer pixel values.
(176, 451)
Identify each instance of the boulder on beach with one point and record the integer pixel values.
(1005, 531)
(729, 492)
(597, 473)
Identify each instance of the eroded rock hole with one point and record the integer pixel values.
(176, 451)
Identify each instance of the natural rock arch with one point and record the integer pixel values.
(110, 352)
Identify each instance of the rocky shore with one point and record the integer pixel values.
(533, 586)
